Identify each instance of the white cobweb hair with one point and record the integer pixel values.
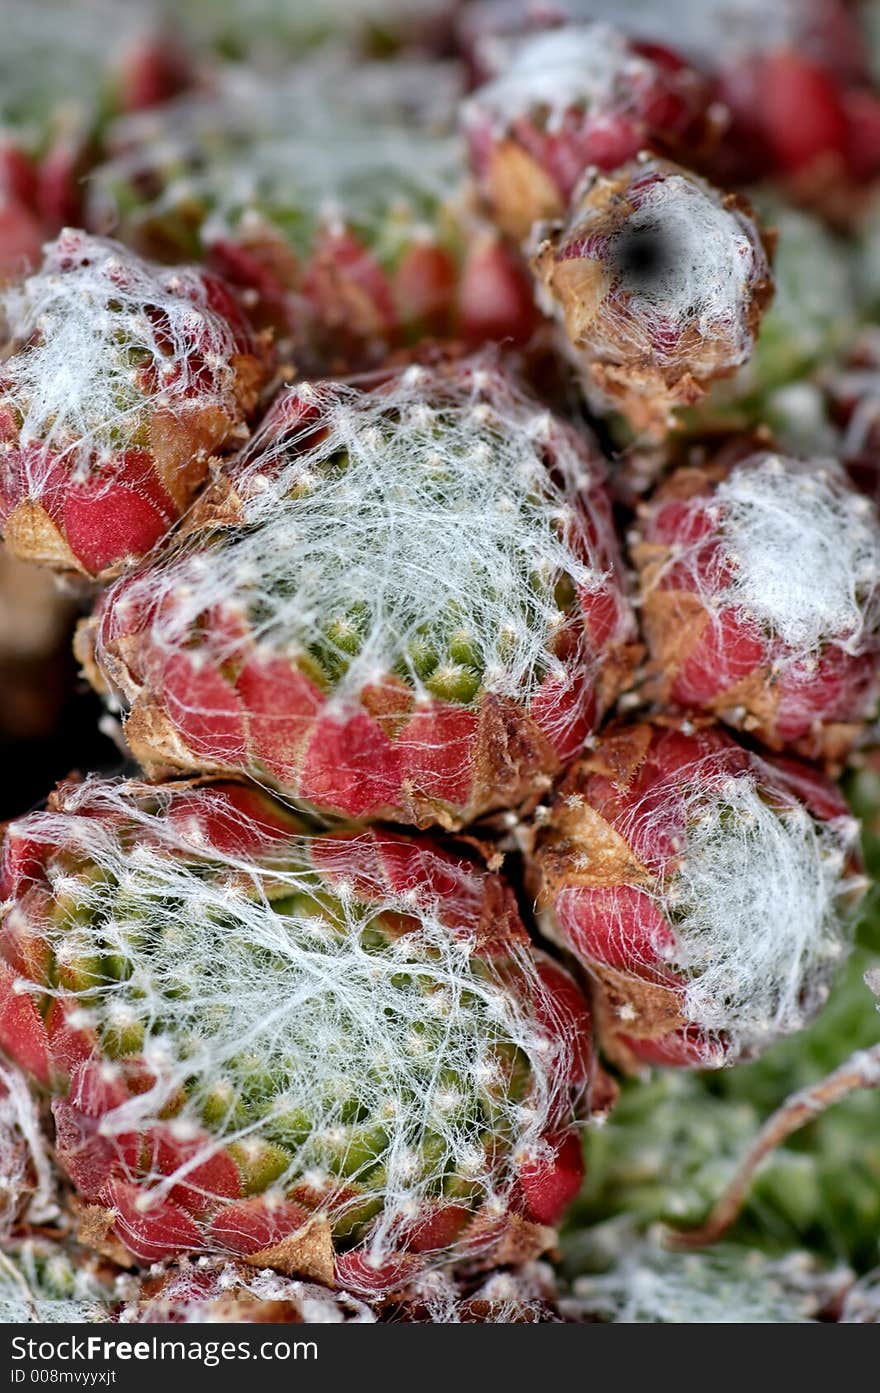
(521, 1295)
(705, 258)
(426, 509)
(799, 554)
(83, 329)
(195, 1291)
(806, 551)
(264, 995)
(325, 143)
(582, 65)
(27, 1181)
(758, 895)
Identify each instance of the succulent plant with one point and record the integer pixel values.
(401, 602)
(760, 596)
(349, 231)
(706, 888)
(121, 381)
(337, 1056)
(792, 77)
(659, 282)
(572, 98)
(457, 425)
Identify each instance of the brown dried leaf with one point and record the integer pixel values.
(306, 1253)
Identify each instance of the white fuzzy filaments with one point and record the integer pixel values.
(301, 1028)
(325, 146)
(683, 262)
(27, 1182)
(100, 341)
(584, 67)
(208, 1289)
(520, 1295)
(758, 899)
(424, 537)
(800, 553)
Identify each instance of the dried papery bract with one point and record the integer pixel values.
(659, 281)
(761, 598)
(337, 1056)
(121, 380)
(405, 603)
(570, 98)
(708, 891)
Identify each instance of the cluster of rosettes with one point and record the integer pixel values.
(287, 1047)
(121, 380)
(571, 98)
(347, 229)
(660, 293)
(793, 78)
(335, 1055)
(706, 889)
(402, 602)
